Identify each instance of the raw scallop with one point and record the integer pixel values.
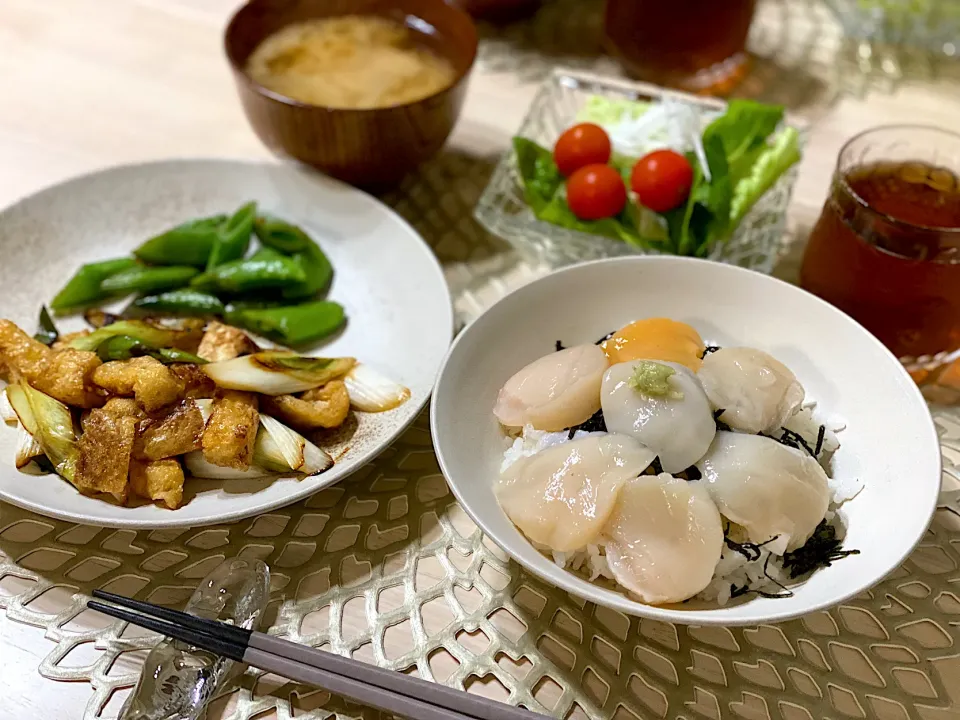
(562, 496)
(665, 537)
(756, 391)
(776, 492)
(555, 392)
(678, 429)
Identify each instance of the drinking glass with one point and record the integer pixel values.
(695, 45)
(886, 249)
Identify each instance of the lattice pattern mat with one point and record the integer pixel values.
(426, 593)
(386, 567)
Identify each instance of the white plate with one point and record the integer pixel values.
(890, 441)
(400, 317)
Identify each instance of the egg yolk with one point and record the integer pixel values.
(656, 339)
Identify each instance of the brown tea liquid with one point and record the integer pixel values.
(696, 45)
(886, 251)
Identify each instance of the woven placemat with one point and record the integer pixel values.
(424, 592)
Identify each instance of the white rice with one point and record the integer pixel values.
(734, 570)
(531, 441)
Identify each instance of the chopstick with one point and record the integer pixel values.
(370, 685)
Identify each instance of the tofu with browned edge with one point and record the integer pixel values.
(231, 431)
(158, 480)
(149, 381)
(105, 448)
(175, 433)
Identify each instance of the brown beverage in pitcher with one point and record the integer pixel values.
(886, 249)
(696, 45)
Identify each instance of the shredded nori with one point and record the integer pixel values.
(821, 550)
(784, 592)
(794, 440)
(751, 551)
(595, 423)
(798, 442)
(709, 349)
(721, 425)
(560, 346)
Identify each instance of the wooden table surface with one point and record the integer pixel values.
(85, 85)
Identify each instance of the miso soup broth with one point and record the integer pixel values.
(350, 62)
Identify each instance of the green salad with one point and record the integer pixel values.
(660, 176)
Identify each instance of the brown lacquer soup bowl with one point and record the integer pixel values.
(371, 148)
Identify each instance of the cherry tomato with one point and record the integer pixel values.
(662, 180)
(595, 192)
(581, 145)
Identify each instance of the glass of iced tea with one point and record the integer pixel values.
(886, 249)
(694, 45)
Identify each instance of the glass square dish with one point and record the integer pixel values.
(757, 242)
(929, 24)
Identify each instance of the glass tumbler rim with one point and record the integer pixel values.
(839, 179)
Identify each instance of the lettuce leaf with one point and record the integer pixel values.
(541, 178)
(624, 227)
(772, 163)
(754, 163)
(744, 129)
(609, 111)
(704, 218)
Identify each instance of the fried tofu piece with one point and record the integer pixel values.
(176, 433)
(196, 383)
(105, 448)
(323, 407)
(149, 381)
(158, 480)
(20, 354)
(125, 407)
(225, 342)
(231, 432)
(63, 342)
(67, 375)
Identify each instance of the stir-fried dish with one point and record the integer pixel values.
(672, 468)
(131, 407)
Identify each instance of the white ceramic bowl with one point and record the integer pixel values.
(890, 441)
